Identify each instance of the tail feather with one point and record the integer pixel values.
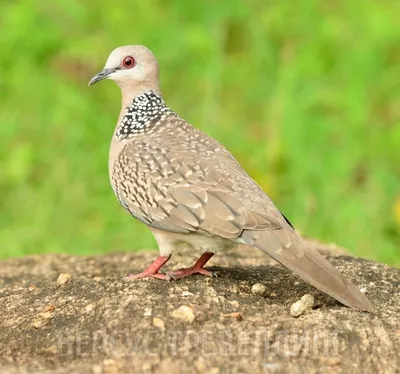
(290, 250)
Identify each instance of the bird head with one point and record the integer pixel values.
(134, 68)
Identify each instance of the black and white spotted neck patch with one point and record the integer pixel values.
(146, 111)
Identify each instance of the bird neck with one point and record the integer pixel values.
(142, 114)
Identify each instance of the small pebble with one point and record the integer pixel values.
(51, 350)
(186, 293)
(299, 307)
(42, 319)
(259, 289)
(46, 315)
(147, 312)
(38, 324)
(109, 362)
(89, 308)
(97, 369)
(330, 361)
(146, 367)
(201, 365)
(184, 313)
(63, 279)
(158, 322)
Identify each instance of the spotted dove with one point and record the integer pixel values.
(189, 189)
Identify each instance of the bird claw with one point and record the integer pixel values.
(172, 277)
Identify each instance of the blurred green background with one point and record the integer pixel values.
(305, 94)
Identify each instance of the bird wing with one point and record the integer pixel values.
(178, 192)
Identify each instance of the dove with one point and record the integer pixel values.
(191, 192)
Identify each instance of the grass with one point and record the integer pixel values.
(306, 96)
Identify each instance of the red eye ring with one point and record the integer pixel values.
(128, 62)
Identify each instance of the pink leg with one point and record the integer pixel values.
(197, 268)
(152, 270)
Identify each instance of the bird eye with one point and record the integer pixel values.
(128, 62)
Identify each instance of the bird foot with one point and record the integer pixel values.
(183, 273)
(152, 270)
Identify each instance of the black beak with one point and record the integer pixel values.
(105, 73)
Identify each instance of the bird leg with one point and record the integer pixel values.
(152, 270)
(197, 268)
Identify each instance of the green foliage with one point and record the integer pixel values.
(305, 94)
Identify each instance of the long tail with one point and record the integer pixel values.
(290, 250)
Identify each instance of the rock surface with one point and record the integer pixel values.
(99, 323)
